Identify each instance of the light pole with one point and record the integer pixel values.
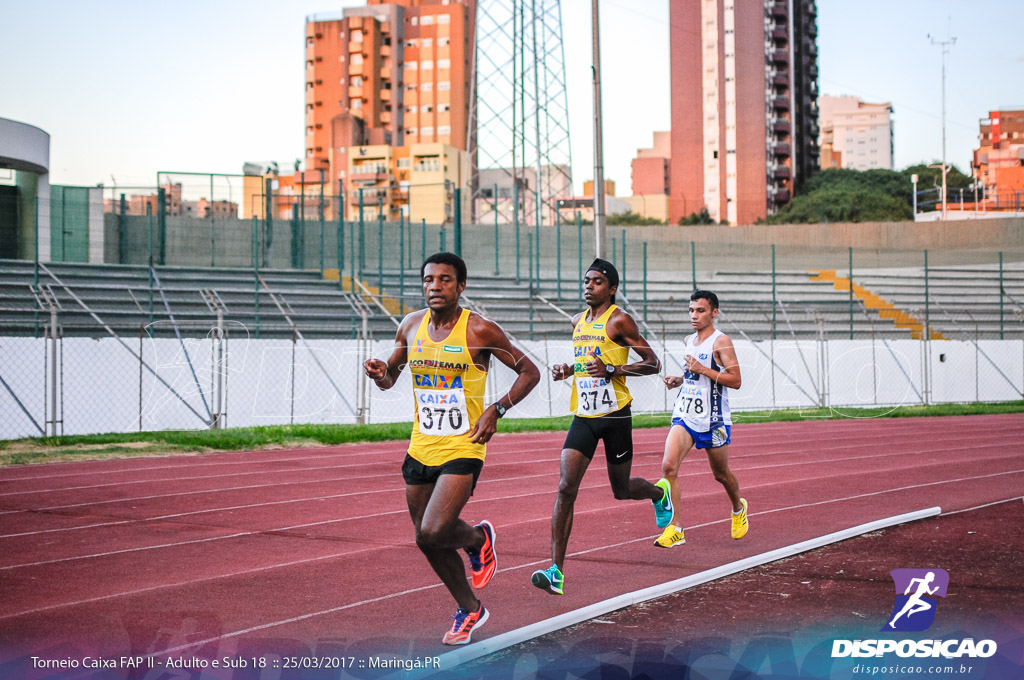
(945, 44)
(913, 178)
(599, 223)
(975, 171)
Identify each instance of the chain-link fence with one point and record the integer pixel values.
(227, 377)
(883, 322)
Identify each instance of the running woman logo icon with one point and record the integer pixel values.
(916, 589)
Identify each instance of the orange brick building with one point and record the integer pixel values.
(999, 158)
(391, 73)
(651, 167)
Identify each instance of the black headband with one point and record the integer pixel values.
(606, 268)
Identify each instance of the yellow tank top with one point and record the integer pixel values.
(595, 397)
(448, 392)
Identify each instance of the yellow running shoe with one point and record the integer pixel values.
(670, 537)
(739, 521)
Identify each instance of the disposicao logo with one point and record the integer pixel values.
(914, 611)
(916, 590)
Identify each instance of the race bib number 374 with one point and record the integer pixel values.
(594, 396)
(442, 412)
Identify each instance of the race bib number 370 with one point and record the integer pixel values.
(594, 396)
(442, 412)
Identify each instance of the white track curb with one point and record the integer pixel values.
(514, 637)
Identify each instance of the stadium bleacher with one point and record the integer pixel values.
(961, 301)
(127, 299)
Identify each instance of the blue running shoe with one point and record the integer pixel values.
(663, 509)
(550, 579)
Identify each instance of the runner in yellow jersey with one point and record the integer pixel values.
(448, 350)
(602, 337)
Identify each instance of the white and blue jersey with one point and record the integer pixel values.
(701, 405)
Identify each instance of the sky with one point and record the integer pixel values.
(127, 88)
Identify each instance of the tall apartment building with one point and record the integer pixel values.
(391, 73)
(744, 105)
(999, 158)
(855, 134)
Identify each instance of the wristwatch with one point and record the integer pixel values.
(500, 408)
(609, 369)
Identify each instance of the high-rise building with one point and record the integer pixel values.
(744, 105)
(999, 159)
(437, 52)
(855, 134)
(391, 73)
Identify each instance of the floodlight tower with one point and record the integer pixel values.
(519, 110)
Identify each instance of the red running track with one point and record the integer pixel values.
(311, 551)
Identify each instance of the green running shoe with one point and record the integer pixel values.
(663, 509)
(549, 579)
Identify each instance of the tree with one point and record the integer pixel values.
(627, 219)
(846, 195)
(929, 184)
(703, 217)
(843, 204)
(631, 218)
(931, 176)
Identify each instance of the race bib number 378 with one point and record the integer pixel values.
(442, 412)
(594, 396)
(691, 403)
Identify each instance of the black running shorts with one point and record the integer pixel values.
(615, 429)
(416, 472)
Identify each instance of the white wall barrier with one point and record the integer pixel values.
(103, 387)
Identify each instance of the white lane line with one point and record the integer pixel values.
(783, 509)
(198, 461)
(267, 531)
(238, 488)
(637, 464)
(179, 584)
(178, 515)
(332, 610)
(366, 459)
(985, 505)
(198, 540)
(392, 512)
(691, 462)
(593, 610)
(165, 480)
(269, 567)
(506, 569)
